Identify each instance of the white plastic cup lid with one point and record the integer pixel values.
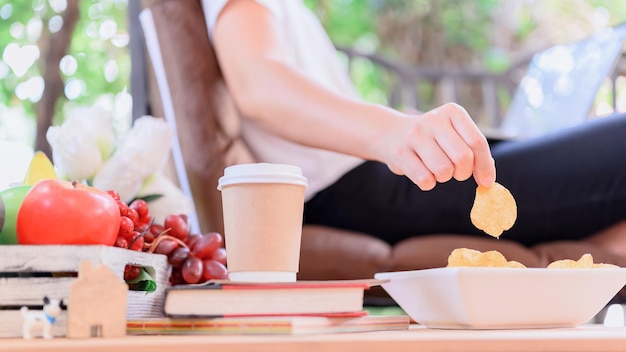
(262, 173)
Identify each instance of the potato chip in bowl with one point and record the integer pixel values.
(585, 262)
(473, 258)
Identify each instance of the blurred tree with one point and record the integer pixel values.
(490, 35)
(53, 44)
(463, 32)
(37, 65)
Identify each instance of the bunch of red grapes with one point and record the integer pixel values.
(193, 257)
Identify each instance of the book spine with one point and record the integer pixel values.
(205, 326)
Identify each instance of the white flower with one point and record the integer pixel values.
(142, 152)
(173, 200)
(84, 148)
(82, 143)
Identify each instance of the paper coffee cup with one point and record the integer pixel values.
(263, 206)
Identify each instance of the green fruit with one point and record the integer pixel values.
(10, 201)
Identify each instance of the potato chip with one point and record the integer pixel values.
(494, 210)
(514, 264)
(604, 266)
(585, 262)
(465, 257)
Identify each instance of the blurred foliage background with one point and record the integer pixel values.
(484, 37)
(94, 69)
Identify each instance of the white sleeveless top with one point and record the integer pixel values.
(311, 51)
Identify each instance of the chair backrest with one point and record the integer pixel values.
(203, 114)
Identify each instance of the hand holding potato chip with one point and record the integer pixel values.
(494, 209)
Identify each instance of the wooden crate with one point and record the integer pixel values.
(18, 287)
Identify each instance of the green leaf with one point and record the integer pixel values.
(148, 197)
(144, 282)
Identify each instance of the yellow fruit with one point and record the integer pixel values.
(40, 168)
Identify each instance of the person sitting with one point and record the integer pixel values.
(395, 175)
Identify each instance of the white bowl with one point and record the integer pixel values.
(503, 298)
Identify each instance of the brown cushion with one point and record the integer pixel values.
(332, 253)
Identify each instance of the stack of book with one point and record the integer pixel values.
(302, 307)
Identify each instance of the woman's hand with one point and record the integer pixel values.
(437, 146)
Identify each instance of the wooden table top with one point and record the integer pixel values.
(594, 338)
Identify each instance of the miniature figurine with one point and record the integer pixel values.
(42, 319)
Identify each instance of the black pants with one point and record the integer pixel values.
(567, 185)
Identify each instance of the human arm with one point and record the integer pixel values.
(433, 147)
